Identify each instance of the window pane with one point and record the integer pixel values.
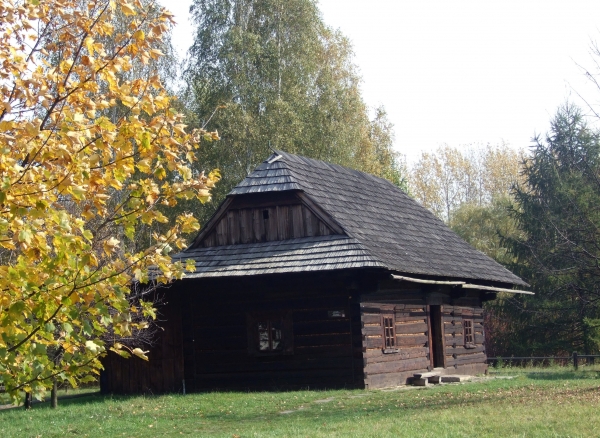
(263, 336)
(276, 337)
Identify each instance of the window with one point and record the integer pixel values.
(468, 333)
(389, 332)
(269, 336)
(269, 333)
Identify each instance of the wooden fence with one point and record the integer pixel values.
(575, 359)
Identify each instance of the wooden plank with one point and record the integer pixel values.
(233, 227)
(467, 359)
(455, 340)
(309, 229)
(283, 223)
(410, 319)
(297, 221)
(460, 349)
(372, 330)
(318, 340)
(263, 200)
(377, 355)
(412, 340)
(212, 223)
(396, 366)
(271, 224)
(456, 329)
(370, 308)
(222, 232)
(278, 363)
(373, 342)
(258, 225)
(246, 225)
(329, 326)
(414, 327)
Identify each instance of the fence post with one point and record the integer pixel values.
(575, 360)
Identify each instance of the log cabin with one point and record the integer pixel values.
(313, 275)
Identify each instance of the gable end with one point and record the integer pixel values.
(265, 218)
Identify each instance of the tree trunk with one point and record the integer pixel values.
(54, 394)
(28, 400)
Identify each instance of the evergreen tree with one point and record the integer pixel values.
(270, 74)
(558, 210)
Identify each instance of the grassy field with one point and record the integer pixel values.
(554, 402)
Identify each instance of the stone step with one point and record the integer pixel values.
(426, 375)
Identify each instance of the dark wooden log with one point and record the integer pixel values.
(406, 340)
(419, 326)
(396, 366)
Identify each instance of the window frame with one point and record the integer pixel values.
(388, 332)
(468, 333)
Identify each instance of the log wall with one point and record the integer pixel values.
(412, 322)
(162, 373)
(464, 360)
(326, 349)
(410, 317)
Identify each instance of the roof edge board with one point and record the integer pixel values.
(497, 289)
(321, 213)
(461, 284)
(211, 222)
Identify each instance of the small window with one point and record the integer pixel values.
(270, 333)
(468, 333)
(269, 336)
(389, 333)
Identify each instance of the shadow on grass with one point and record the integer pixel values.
(564, 375)
(72, 400)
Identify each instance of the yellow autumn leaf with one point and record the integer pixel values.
(140, 353)
(139, 35)
(128, 9)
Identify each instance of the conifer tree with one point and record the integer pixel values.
(558, 210)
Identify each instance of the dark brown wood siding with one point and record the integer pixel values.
(163, 373)
(412, 355)
(264, 224)
(412, 306)
(325, 351)
(466, 360)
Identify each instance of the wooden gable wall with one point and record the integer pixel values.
(265, 218)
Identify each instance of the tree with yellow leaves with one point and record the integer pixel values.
(77, 183)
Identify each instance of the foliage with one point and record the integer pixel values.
(76, 184)
(534, 403)
(558, 210)
(448, 178)
(270, 74)
(484, 226)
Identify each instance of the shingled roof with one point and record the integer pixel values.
(384, 228)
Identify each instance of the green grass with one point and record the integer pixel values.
(554, 402)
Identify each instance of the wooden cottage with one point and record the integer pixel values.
(313, 275)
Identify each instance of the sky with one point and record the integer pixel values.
(463, 72)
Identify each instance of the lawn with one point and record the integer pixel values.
(552, 402)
